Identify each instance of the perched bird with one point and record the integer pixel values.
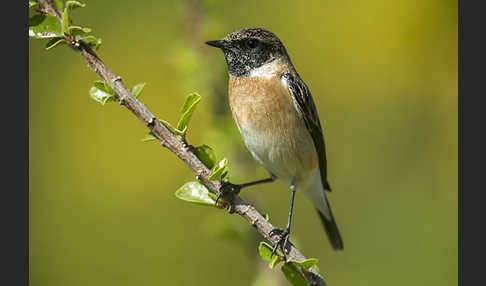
(277, 118)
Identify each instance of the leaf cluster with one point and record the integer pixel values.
(291, 269)
(194, 192)
(101, 92)
(45, 26)
(203, 152)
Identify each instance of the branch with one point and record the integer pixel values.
(176, 145)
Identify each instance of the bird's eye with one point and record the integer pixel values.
(251, 43)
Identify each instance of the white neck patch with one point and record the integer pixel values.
(267, 70)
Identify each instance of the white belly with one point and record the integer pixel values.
(283, 153)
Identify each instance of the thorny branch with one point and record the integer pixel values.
(177, 146)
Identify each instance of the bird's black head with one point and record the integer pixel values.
(249, 48)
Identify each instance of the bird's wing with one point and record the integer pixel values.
(305, 106)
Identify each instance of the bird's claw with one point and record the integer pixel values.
(282, 241)
(228, 188)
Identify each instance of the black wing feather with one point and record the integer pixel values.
(305, 104)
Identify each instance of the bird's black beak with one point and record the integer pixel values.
(218, 43)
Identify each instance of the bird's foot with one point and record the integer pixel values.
(282, 241)
(226, 189)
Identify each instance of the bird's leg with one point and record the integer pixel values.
(227, 187)
(284, 235)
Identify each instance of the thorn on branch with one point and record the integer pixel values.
(75, 41)
(199, 175)
(115, 79)
(186, 147)
(151, 121)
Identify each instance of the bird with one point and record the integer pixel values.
(277, 118)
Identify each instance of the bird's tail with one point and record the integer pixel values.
(331, 229)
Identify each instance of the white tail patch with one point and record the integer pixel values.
(314, 191)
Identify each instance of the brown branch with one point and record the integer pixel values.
(177, 146)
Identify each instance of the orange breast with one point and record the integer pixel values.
(262, 104)
(271, 127)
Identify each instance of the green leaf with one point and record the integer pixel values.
(213, 196)
(224, 175)
(188, 109)
(293, 275)
(267, 217)
(54, 42)
(206, 155)
(174, 131)
(149, 137)
(190, 100)
(108, 88)
(33, 5)
(65, 20)
(93, 42)
(59, 4)
(275, 261)
(74, 4)
(136, 90)
(44, 26)
(66, 16)
(77, 30)
(219, 169)
(265, 251)
(195, 192)
(306, 264)
(101, 92)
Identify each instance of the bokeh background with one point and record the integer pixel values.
(384, 78)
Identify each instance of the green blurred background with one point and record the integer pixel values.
(384, 78)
